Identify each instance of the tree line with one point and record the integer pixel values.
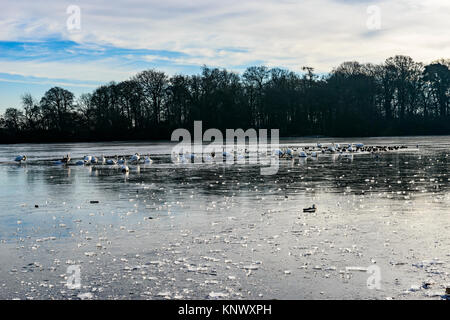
(398, 97)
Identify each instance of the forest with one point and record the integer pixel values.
(398, 97)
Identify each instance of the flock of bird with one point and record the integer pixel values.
(93, 160)
(335, 148)
(187, 157)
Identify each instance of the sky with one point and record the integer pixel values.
(81, 44)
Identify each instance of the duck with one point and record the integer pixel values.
(111, 162)
(66, 159)
(311, 209)
(20, 159)
(80, 163)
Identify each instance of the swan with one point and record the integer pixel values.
(102, 159)
(66, 159)
(314, 154)
(111, 162)
(87, 159)
(94, 160)
(190, 156)
(359, 145)
(124, 168)
(147, 160)
(175, 157)
(22, 158)
(302, 154)
(182, 159)
(121, 161)
(278, 152)
(135, 158)
(80, 162)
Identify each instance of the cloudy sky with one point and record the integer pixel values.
(41, 45)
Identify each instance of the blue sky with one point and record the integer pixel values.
(117, 39)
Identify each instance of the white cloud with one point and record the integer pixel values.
(289, 33)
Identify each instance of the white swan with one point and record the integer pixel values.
(135, 158)
(175, 157)
(87, 159)
(124, 168)
(111, 162)
(148, 160)
(302, 154)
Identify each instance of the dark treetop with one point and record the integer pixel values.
(398, 97)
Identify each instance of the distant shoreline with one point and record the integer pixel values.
(169, 141)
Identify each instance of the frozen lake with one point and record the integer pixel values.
(197, 231)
